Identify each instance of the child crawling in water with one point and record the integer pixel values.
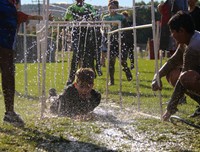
(78, 99)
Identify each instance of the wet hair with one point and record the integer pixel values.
(85, 75)
(113, 2)
(182, 20)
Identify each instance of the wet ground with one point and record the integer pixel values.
(118, 132)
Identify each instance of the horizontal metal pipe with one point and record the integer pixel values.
(131, 28)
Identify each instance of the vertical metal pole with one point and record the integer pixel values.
(120, 64)
(57, 46)
(25, 63)
(63, 53)
(68, 47)
(108, 64)
(136, 56)
(38, 58)
(156, 53)
(43, 104)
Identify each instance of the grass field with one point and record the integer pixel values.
(57, 134)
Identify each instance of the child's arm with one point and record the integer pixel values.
(39, 17)
(35, 17)
(94, 100)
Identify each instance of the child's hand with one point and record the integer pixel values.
(51, 17)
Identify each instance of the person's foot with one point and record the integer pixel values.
(196, 112)
(110, 83)
(182, 100)
(14, 119)
(128, 75)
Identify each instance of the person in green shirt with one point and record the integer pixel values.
(114, 45)
(84, 52)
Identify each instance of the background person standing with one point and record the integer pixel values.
(8, 28)
(114, 45)
(194, 11)
(84, 52)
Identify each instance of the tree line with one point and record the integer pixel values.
(142, 10)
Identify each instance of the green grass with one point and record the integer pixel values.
(53, 131)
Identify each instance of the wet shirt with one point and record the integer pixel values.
(80, 13)
(116, 17)
(72, 104)
(8, 24)
(189, 59)
(114, 37)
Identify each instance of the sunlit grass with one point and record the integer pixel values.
(137, 95)
(52, 132)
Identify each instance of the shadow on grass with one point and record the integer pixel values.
(48, 142)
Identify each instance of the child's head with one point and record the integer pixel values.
(112, 5)
(85, 75)
(182, 20)
(79, 2)
(84, 79)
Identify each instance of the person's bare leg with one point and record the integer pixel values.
(191, 81)
(173, 76)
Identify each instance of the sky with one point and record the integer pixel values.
(124, 3)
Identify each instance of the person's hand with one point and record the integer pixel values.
(155, 86)
(166, 116)
(50, 17)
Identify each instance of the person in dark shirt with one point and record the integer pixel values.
(78, 98)
(128, 40)
(84, 39)
(8, 28)
(167, 9)
(194, 11)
